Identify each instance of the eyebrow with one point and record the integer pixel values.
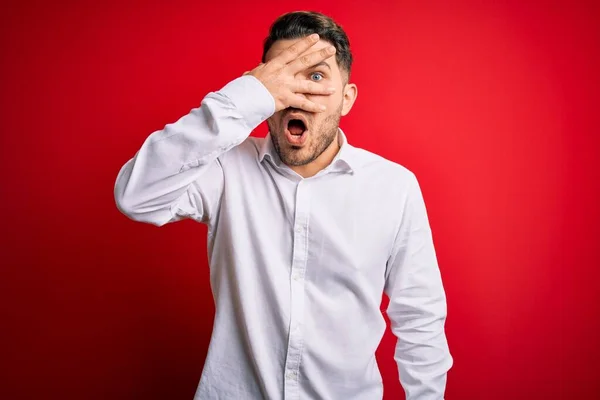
(321, 64)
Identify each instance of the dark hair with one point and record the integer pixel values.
(298, 24)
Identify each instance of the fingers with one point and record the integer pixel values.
(309, 87)
(298, 101)
(309, 60)
(292, 52)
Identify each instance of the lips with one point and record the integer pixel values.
(296, 128)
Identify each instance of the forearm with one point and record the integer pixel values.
(421, 353)
(171, 159)
(417, 308)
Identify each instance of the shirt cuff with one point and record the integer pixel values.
(251, 98)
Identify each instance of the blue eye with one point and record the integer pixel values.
(316, 74)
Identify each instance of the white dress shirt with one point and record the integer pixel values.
(297, 266)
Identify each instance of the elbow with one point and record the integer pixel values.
(124, 200)
(127, 205)
(136, 213)
(133, 208)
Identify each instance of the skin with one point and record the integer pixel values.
(298, 73)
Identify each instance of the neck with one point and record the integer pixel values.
(321, 162)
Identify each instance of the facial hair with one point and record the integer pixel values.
(321, 138)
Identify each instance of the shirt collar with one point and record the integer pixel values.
(343, 161)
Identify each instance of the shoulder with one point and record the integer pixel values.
(373, 166)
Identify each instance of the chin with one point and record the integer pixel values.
(298, 162)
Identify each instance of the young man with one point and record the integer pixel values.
(305, 231)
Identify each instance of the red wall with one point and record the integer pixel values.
(494, 107)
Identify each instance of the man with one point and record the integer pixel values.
(305, 231)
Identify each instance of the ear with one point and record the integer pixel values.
(350, 94)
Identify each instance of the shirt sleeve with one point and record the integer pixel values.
(177, 172)
(417, 307)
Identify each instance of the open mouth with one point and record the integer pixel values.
(296, 129)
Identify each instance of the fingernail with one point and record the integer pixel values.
(331, 89)
(331, 50)
(322, 107)
(314, 36)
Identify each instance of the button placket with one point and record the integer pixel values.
(298, 268)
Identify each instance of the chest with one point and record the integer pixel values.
(339, 223)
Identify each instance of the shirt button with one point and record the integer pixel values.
(299, 229)
(296, 277)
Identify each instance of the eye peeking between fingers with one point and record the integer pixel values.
(316, 76)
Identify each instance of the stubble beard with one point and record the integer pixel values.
(321, 138)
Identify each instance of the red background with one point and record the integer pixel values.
(495, 107)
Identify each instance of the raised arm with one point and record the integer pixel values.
(417, 308)
(177, 172)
